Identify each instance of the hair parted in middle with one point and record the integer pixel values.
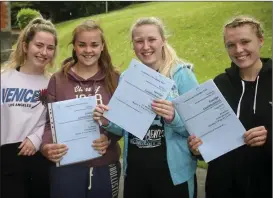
(169, 56)
(18, 56)
(105, 62)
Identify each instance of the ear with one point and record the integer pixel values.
(261, 41)
(102, 47)
(24, 47)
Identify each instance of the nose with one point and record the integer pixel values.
(88, 49)
(44, 51)
(146, 45)
(239, 48)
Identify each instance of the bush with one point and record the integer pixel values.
(25, 15)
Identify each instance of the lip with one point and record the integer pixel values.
(41, 58)
(146, 54)
(242, 57)
(88, 56)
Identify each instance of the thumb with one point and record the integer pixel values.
(22, 144)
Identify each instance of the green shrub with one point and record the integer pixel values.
(25, 15)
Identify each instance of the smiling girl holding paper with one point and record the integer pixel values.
(161, 165)
(89, 72)
(247, 86)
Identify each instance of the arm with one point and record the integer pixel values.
(51, 90)
(36, 137)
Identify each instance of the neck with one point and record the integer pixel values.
(86, 72)
(28, 68)
(251, 73)
(156, 65)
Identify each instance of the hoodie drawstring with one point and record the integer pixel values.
(90, 178)
(239, 105)
(255, 97)
(256, 90)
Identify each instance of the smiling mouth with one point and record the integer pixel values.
(147, 54)
(87, 56)
(41, 58)
(242, 58)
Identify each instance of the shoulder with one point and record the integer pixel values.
(221, 79)
(184, 74)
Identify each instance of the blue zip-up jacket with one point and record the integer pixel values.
(181, 163)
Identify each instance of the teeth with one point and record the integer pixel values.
(241, 57)
(88, 56)
(147, 53)
(40, 58)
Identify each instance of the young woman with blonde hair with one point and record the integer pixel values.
(247, 86)
(160, 165)
(89, 72)
(24, 171)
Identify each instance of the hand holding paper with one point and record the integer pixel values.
(131, 105)
(208, 116)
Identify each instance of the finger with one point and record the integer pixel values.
(161, 101)
(191, 137)
(256, 139)
(97, 114)
(258, 143)
(101, 148)
(101, 144)
(163, 106)
(22, 144)
(102, 152)
(255, 134)
(195, 143)
(196, 146)
(104, 107)
(260, 128)
(163, 112)
(58, 156)
(98, 110)
(59, 151)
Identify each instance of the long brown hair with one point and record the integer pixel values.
(105, 62)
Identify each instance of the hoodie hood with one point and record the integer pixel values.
(99, 76)
(234, 75)
(233, 71)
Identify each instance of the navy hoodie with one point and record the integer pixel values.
(245, 172)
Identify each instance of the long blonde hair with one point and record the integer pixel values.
(105, 62)
(18, 56)
(169, 56)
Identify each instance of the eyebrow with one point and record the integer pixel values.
(38, 42)
(82, 42)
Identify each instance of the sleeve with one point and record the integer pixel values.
(268, 142)
(114, 129)
(51, 91)
(185, 81)
(36, 137)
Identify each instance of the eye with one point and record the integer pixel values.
(81, 44)
(138, 41)
(51, 48)
(152, 39)
(244, 42)
(95, 45)
(39, 45)
(229, 45)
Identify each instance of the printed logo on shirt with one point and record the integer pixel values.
(21, 97)
(81, 92)
(153, 137)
